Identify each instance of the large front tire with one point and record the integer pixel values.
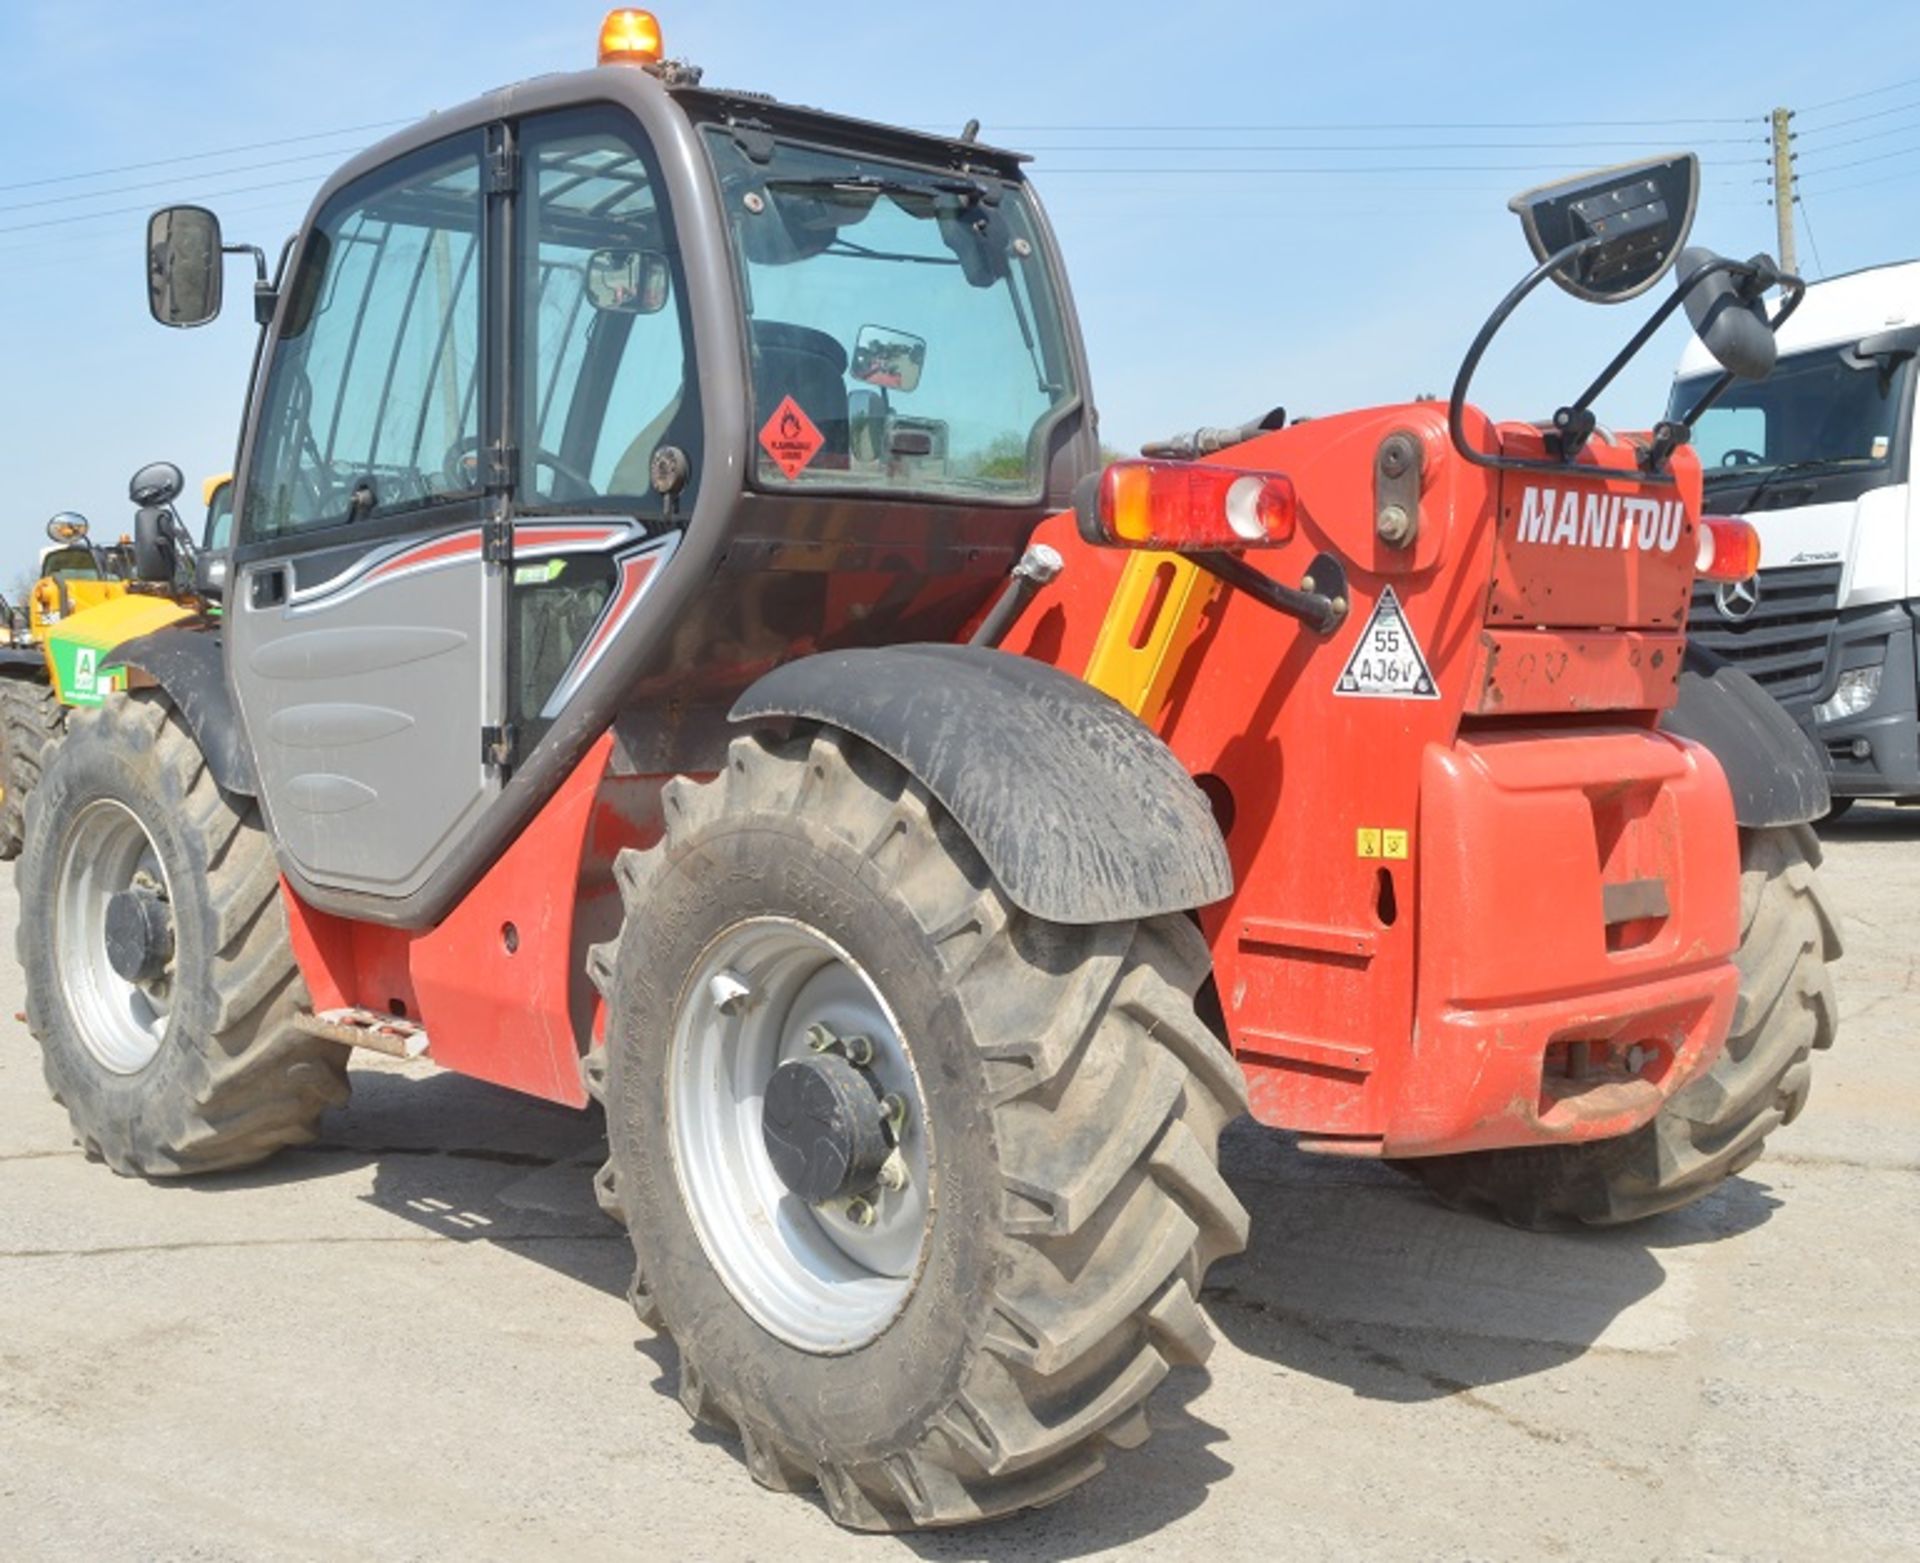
(1068, 1099)
(1717, 1125)
(190, 1062)
(31, 722)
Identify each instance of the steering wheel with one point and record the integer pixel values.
(1739, 456)
(461, 469)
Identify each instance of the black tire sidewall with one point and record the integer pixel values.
(882, 1396)
(92, 765)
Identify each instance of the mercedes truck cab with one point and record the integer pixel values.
(1818, 457)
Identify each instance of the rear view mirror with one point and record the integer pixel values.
(891, 360)
(183, 265)
(1617, 230)
(67, 527)
(628, 282)
(1727, 313)
(157, 483)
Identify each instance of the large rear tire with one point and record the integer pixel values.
(31, 722)
(160, 978)
(1717, 1125)
(973, 1340)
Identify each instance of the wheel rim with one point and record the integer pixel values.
(108, 851)
(813, 1275)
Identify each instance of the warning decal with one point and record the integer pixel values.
(791, 439)
(1387, 662)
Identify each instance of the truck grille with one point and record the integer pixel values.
(1782, 644)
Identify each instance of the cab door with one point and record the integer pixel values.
(365, 616)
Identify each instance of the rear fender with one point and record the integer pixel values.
(1082, 814)
(1776, 775)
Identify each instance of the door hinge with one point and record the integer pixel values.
(502, 461)
(503, 170)
(499, 745)
(496, 537)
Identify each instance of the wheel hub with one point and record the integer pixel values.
(139, 931)
(825, 1128)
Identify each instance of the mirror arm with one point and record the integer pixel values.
(266, 293)
(1457, 403)
(1670, 434)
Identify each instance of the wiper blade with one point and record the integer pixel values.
(872, 184)
(1770, 471)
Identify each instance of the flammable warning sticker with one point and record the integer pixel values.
(791, 438)
(1387, 663)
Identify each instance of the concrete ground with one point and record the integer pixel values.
(409, 1342)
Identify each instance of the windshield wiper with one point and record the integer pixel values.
(872, 184)
(1810, 464)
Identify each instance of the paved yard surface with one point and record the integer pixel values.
(409, 1342)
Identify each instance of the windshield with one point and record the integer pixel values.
(1815, 412)
(904, 332)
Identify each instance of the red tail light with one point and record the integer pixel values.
(1189, 507)
(1729, 549)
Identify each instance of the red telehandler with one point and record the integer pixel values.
(668, 551)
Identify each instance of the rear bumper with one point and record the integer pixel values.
(1579, 910)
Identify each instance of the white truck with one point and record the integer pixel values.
(1818, 456)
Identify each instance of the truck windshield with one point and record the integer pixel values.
(1816, 413)
(904, 331)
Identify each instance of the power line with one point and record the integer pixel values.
(121, 211)
(198, 157)
(167, 183)
(1861, 162)
(1855, 97)
(1871, 135)
(1861, 119)
(1865, 184)
(1807, 218)
(1347, 172)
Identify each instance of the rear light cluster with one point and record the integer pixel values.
(1729, 549)
(1188, 507)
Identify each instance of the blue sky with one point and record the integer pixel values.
(1215, 274)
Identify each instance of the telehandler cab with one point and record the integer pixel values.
(634, 481)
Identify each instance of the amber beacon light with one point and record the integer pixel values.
(630, 37)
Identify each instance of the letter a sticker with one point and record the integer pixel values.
(1387, 663)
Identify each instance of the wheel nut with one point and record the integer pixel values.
(893, 1172)
(861, 1212)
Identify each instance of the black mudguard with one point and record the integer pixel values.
(1082, 813)
(185, 660)
(1776, 774)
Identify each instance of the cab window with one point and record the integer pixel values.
(605, 376)
(372, 405)
(606, 372)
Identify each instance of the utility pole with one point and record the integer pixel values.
(1783, 186)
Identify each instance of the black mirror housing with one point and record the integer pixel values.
(1727, 313)
(183, 266)
(1624, 226)
(155, 556)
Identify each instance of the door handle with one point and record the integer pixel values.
(268, 587)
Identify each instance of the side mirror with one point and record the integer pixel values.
(628, 282)
(892, 360)
(67, 527)
(157, 484)
(183, 265)
(1885, 349)
(1727, 313)
(1614, 232)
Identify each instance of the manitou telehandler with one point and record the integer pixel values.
(636, 480)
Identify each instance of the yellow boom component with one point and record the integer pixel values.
(1156, 612)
